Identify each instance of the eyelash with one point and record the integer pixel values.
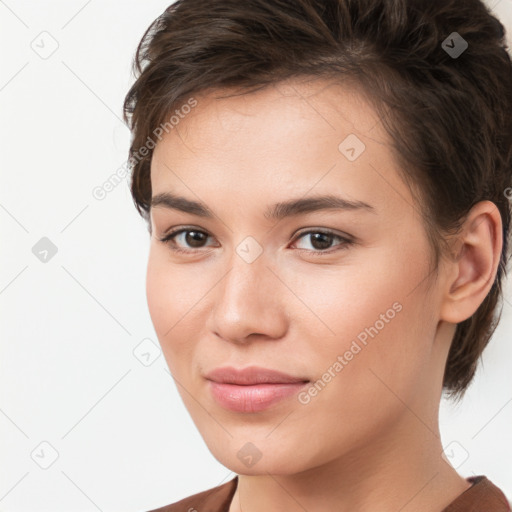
(168, 239)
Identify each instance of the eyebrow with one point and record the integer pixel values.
(277, 211)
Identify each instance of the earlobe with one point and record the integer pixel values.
(473, 271)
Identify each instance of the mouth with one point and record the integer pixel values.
(252, 375)
(252, 389)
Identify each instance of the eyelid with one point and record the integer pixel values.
(327, 231)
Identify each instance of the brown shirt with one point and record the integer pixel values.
(482, 496)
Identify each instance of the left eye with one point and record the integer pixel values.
(320, 240)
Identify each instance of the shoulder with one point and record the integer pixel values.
(482, 495)
(216, 499)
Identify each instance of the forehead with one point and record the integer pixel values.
(282, 140)
(272, 113)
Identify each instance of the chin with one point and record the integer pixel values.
(257, 457)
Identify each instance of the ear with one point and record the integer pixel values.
(473, 270)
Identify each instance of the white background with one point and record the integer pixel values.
(69, 376)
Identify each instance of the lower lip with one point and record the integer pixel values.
(253, 398)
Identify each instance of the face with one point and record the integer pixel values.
(336, 296)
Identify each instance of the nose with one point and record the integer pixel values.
(249, 303)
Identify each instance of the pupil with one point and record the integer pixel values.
(194, 238)
(320, 236)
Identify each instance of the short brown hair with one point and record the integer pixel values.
(449, 116)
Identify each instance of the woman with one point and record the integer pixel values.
(326, 188)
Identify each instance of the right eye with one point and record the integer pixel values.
(197, 237)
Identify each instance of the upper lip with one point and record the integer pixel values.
(251, 375)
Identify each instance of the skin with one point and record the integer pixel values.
(369, 440)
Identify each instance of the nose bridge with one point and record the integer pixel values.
(247, 300)
(246, 283)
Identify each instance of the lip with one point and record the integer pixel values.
(252, 389)
(252, 375)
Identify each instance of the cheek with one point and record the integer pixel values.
(172, 291)
(372, 315)
(159, 295)
(377, 357)
(171, 297)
